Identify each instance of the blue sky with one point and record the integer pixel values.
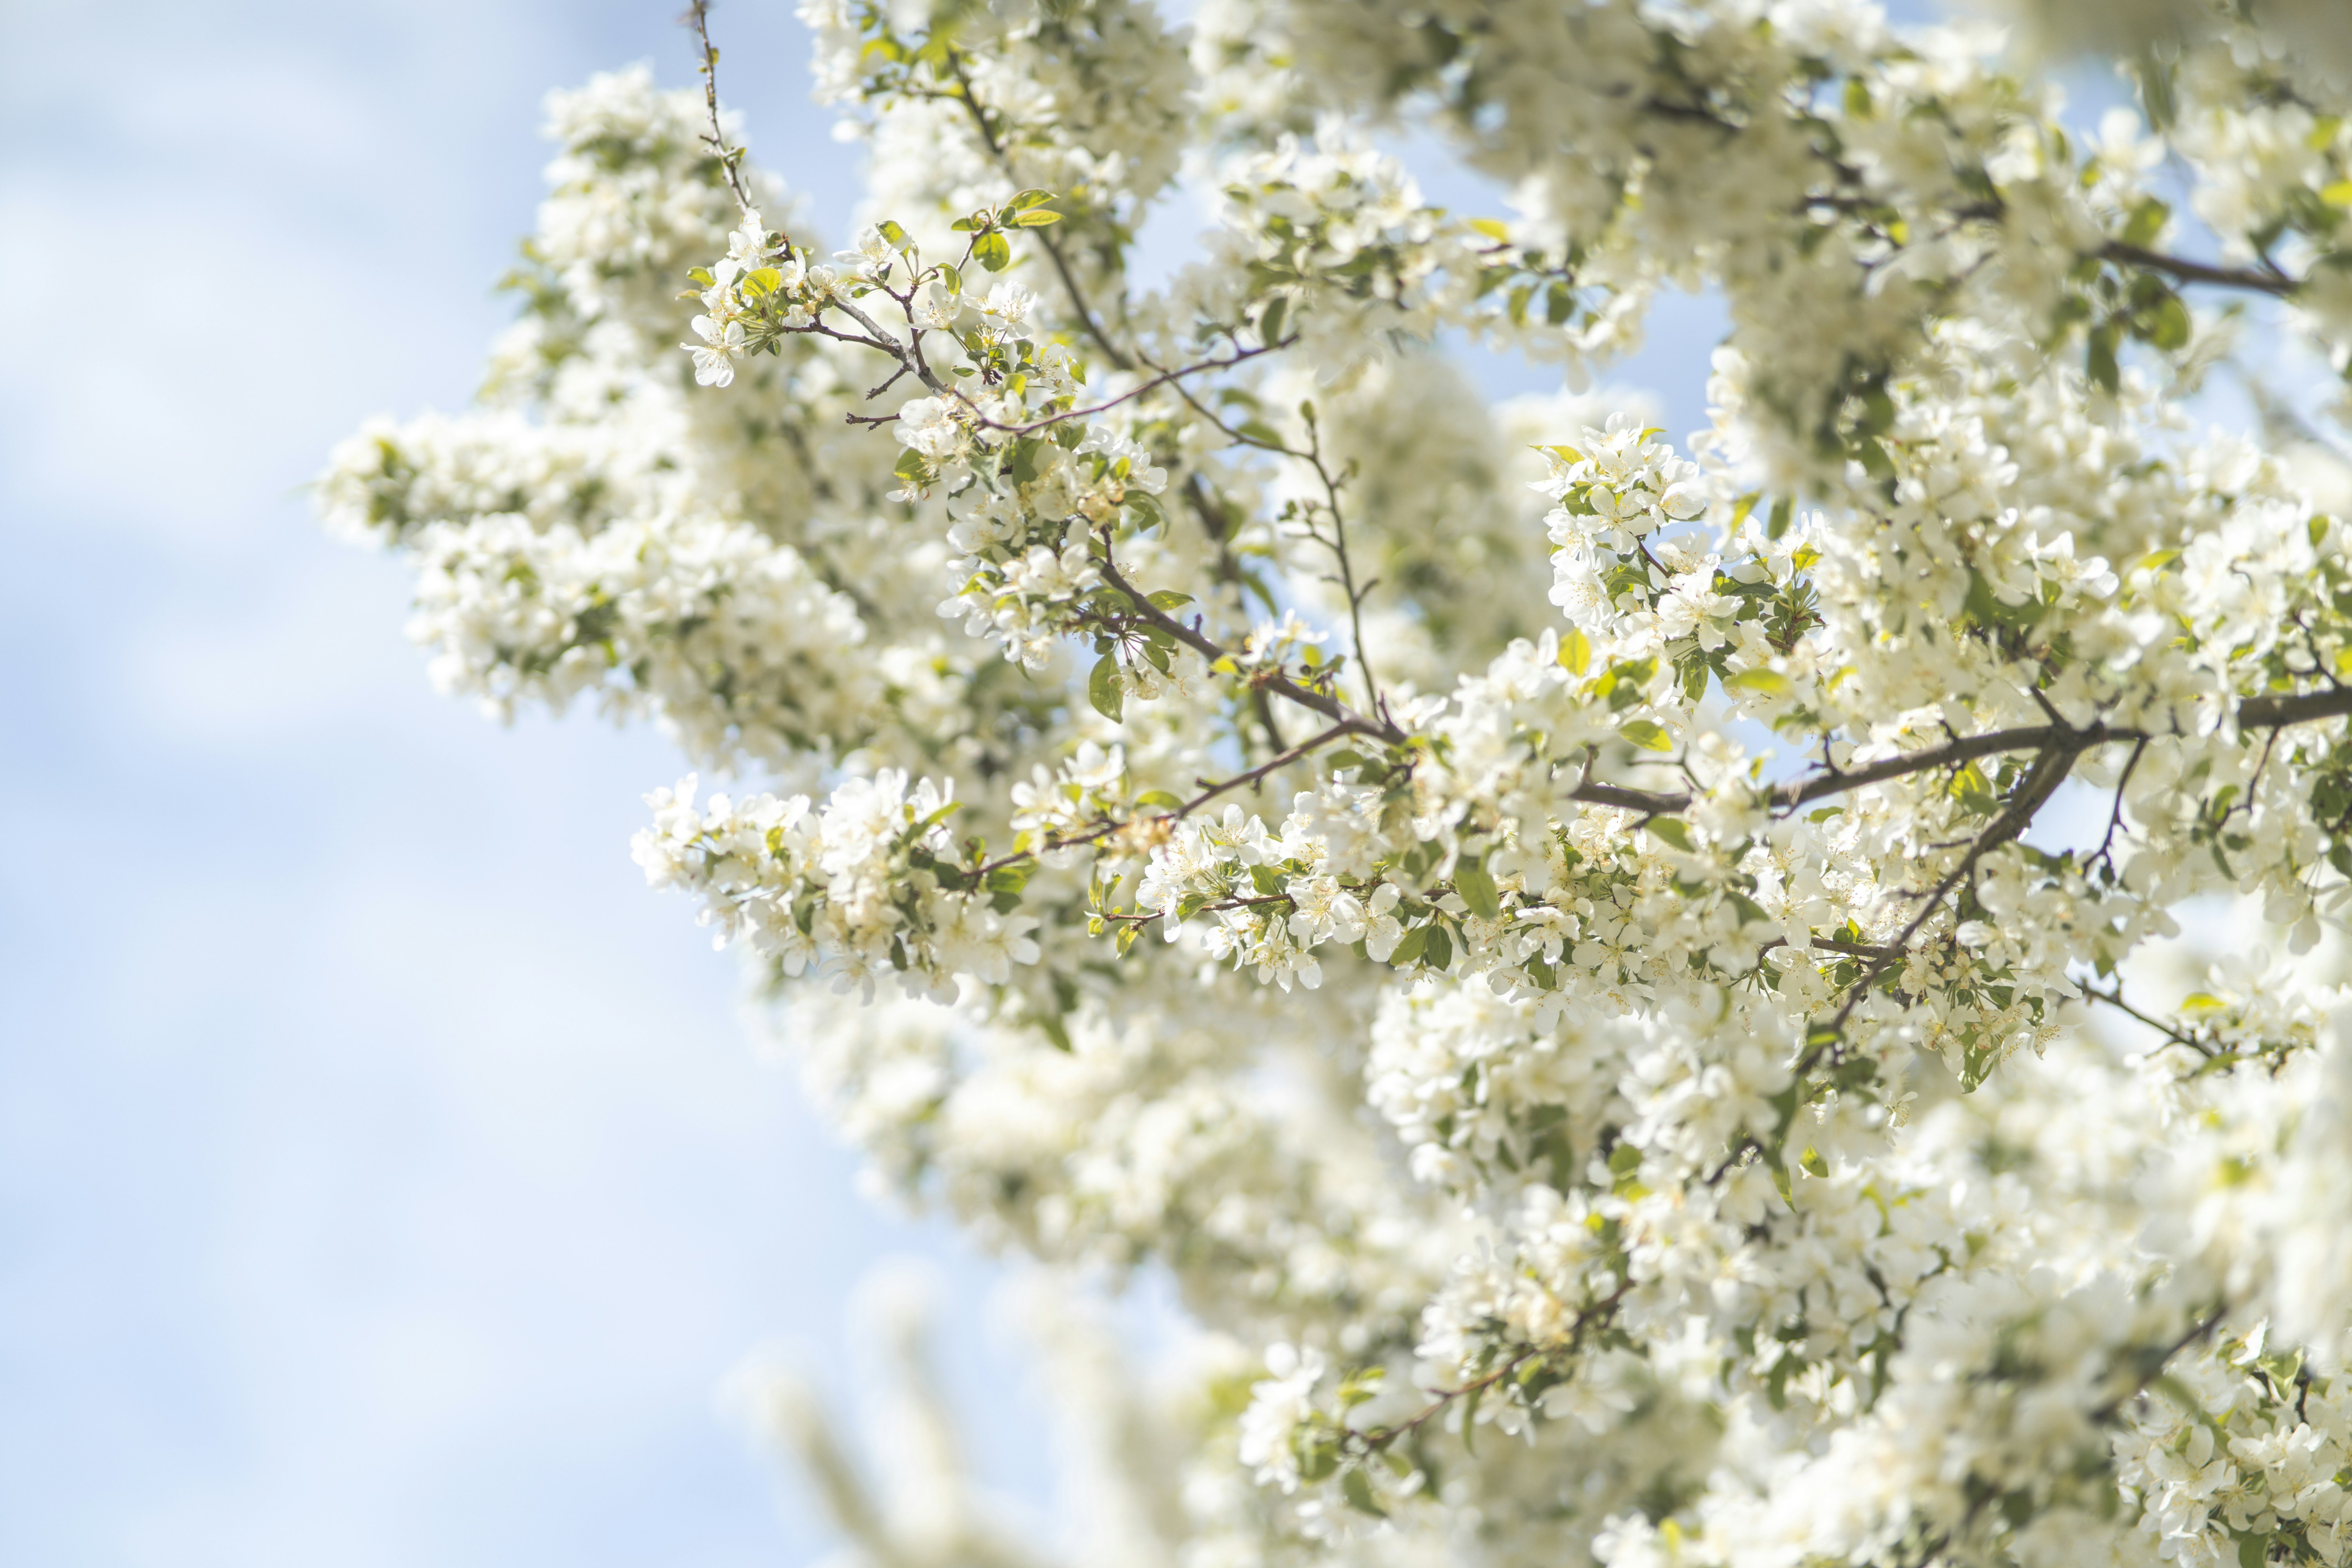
(386, 1176)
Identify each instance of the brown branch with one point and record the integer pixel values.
(1157, 381)
(2262, 282)
(1346, 717)
(2254, 713)
(2171, 1032)
(1600, 1312)
(1118, 357)
(697, 16)
(1313, 743)
(2050, 770)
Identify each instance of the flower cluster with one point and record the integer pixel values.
(861, 887)
(1752, 1000)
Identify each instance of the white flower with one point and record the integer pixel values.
(715, 356)
(1008, 302)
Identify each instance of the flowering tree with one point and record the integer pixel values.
(1559, 947)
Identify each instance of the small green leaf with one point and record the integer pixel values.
(1974, 791)
(1763, 682)
(1157, 797)
(1439, 954)
(1575, 651)
(2147, 221)
(1646, 735)
(992, 252)
(911, 466)
(1104, 691)
(2099, 360)
(1167, 599)
(2167, 326)
(1028, 199)
(952, 277)
(1409, 947)
(1358, 1490)
(1670, 830)
(1036, 218)
(1477, 886)
(763, 280)
(892, 235)
(1269, 325)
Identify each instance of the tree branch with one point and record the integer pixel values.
(1346, 717)
(697, 16)
(1157, 381)
(2277, 284)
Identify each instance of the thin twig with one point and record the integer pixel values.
(1118, 356)
(2050, 770)
(1238, 780)
(1330, 707)
(2171, 1032)
(1157, 381)
(697, 16)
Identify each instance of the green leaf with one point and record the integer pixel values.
(992, 252)
(1104, 691)
(1167, 599)
(763, 280)
(1410, 947)
(1575, 651)
(1021, 466)
(1670, 830)
(2099, 359)
(1476, 885)
(911, 466)
(1358, 1490)
(1493, 228)
(1269, 325)
(1260, 431)
(1763, 682)
(893, 235)
(1028, 199)
(1646, 735)
(2167, 326)
(952, 277)
(1439, 954)
(1157, 797)
(1974, 791)
(2147, 221)
(1036, 218)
